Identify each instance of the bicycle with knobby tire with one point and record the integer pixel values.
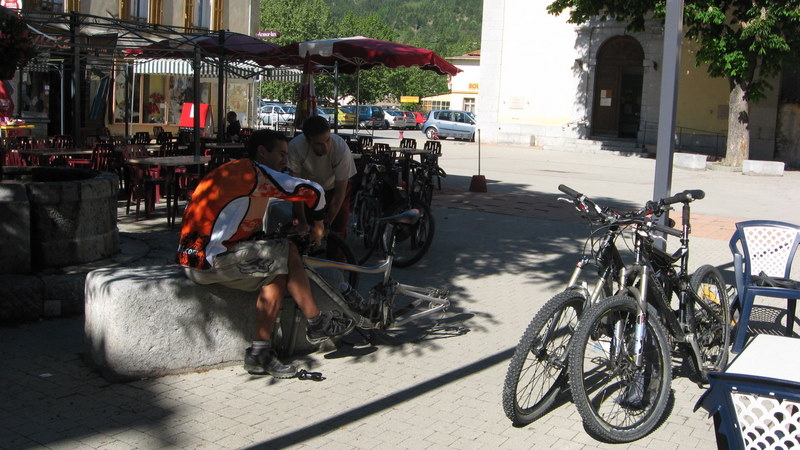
(537, 372)
(620, 356)
(380, 196)
(389, 304)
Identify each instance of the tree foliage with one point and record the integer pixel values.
(452, 28)
(745, 41)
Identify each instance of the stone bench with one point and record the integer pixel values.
(768, 168)
(145, 322)
(690, 161)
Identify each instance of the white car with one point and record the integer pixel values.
(274, 114)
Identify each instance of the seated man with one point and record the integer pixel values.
(234, 127)
(216, 244)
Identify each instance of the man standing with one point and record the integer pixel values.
(325, 158)
(217, 244)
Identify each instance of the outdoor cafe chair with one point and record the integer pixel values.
(408, 143)
(763, 251)
(62, 141)
(141, 137)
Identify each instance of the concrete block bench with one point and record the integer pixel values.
(767, 168)
(145, 322)
(691, 161)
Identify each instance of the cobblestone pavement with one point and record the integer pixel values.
(502, 254)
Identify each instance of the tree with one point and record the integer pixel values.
(301, 20)
(297, 21)
(745, 41)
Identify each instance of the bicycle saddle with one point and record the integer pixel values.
(409, 217)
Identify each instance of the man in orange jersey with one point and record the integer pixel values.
(217, 245)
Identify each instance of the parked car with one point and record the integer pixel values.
(411, 121)
(449, 123)
(274, 113)
(370, 116)
(419, 119)
(347, 116)
(395, 119)
(328, 112)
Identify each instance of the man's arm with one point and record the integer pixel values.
(339, 191)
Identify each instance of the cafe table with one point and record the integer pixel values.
(407, 154)
(231, 149)
(16, 130)
(41, 156)
(755, 401)
(171, 163)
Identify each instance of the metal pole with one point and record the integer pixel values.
(76, 82)
(196, 104)
(221, 88)
(336, 96)
(673, 29)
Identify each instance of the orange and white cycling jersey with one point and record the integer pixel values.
(228, 206)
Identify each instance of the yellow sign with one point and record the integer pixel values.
(409, 99)
(473, 86)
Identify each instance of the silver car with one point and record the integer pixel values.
(449, 123)
(274, 114)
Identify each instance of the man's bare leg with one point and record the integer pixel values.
(299, 286)
(268, 304)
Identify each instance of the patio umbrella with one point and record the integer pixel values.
(352, 54)
(307, 100)
(358, 52)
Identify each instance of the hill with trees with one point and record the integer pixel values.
(448, 27)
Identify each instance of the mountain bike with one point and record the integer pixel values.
(390, 304)
(537, 372)
(380, 196)
(620, 362)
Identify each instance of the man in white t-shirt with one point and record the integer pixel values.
(319, 155)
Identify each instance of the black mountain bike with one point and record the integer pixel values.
(620, 366)
(537, 371)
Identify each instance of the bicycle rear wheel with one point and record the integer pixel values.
(537, 371)
(411, 241)
(618, 400)
(710, 320)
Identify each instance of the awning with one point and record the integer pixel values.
(182, 67)
(208, 69)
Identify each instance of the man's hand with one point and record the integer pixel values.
(303, 229)
(317, 232)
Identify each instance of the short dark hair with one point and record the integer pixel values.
(315, 126)
(267, 138)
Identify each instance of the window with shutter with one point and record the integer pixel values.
(218, 14)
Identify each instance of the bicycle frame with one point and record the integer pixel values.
(385, 292)
(650, 261)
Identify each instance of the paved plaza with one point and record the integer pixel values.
(502, 254)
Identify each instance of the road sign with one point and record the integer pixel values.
(269, 34)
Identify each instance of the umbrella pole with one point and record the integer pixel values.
(221, 88)
(358, 98)
(196, 105)
(336, 96)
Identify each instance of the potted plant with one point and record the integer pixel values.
(16, 43)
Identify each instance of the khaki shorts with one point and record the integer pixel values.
(246, 266)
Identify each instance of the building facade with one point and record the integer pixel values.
(152, 92)
(545, 81)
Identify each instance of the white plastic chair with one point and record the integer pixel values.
(769, 247)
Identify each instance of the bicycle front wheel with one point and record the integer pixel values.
(710, 319)
(334, 248)
(618, 400)
(411, 241)
(537, 371)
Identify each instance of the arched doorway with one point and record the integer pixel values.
(618, 88)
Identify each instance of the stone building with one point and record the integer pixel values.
(544, 81)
